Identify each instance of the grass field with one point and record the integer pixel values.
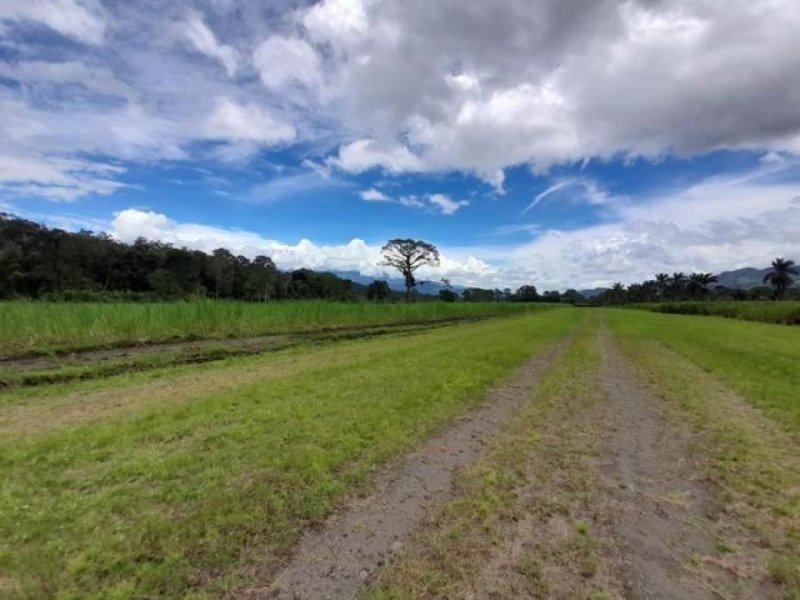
(40, 327)
(159, 486)
(697, 363)
(193, 481)
(758, 360)
(785, 312)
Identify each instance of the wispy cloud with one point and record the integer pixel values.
(440, 203)
(586, 191)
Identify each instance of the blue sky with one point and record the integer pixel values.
(555, 143)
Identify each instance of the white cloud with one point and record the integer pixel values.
(363, 155)
(542, 83)
(438, 202)
(82, 20)
(355, 255)
(282, 61)
(404, 86)
(336, 21)
(60, 179)
(587, 191)
(98, 79)
(445, 204)
(373, 195)
(246, 122)
(202, 39)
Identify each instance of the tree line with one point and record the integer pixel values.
(48, 263)
(39, 262)
(700, 286)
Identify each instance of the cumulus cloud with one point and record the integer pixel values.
(545, 83)
(283, 61)
(409, 86)
(355, 255)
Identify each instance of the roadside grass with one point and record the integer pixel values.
(215, 477)
(752, 457)
(786, 312)
(488, 542)
(45, 327)
(758, 360)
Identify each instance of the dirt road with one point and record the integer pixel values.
(350, 548)
(615, 462)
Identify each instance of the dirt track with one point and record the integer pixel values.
(656, 516)
(337, 560)
(669, 522)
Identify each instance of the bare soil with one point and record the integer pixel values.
(346, 552)
(674, 536)
(641, 519)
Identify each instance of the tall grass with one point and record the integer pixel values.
(785, 312)
(37, 327)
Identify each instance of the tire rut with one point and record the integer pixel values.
(669, 523)
(338, 559)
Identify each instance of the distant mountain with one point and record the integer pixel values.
(742, 279)
(423, 287)
(592, 293)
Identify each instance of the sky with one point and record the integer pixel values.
(560, 143)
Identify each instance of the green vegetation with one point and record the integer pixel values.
(28, 327)
(784, 312)
(752, 454)
(536, 472)
(177, 483)
(758, 360)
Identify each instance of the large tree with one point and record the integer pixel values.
(407, 256)
(781, 276)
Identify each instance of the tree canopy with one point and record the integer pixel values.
(407, 255)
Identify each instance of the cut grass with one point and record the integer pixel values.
(487, 541)
(107, 363)
(201, 487)
(751, 456)
(43, 327)
(759, 360)
(786, 312)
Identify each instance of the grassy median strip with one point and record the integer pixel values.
(213, 476)
(534, 484)
(752, 457)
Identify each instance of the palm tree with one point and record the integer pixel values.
(698, 283)
(780, 276)
(617, 293)
(662, 281)
(677, 285)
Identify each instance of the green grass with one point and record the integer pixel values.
(785, 312)
(715, 372)
(536, 470)
(181, 485)
(40, 327)
(760, 361)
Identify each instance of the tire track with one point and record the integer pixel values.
(336, 560)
